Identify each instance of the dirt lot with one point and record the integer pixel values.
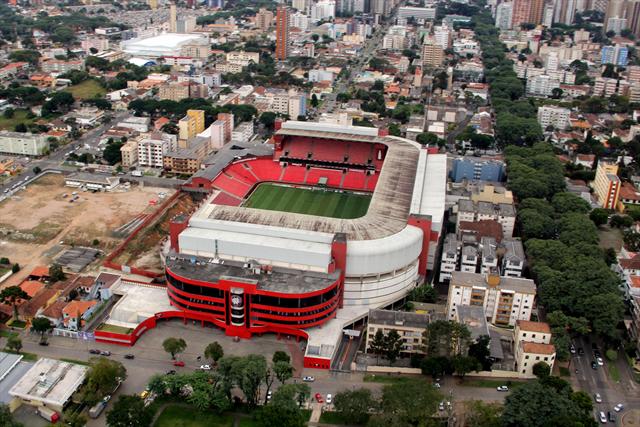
(142, 251)
(36, 220)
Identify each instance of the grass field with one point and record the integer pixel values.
(86, 90)
(306, 201)
(185, 416)
(19, 116)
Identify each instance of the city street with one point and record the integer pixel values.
(599, 381)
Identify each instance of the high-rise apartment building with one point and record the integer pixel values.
(282, 33)
(606, 186)
(520, 14)
(432, 53)
(264, 19)
(191, 124)
(173, 18)
(616, 55)
(504, 12)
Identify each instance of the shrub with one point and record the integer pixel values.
(611, 355)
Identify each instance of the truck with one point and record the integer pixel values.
(48, 414)
(136, 173)
(95, 411)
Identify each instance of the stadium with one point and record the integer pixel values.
(299, 236)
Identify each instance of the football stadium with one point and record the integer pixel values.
(302, 235)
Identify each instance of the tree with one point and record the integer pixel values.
(621, 221)
(407, 403)
(102, 377)
(480, 351)
(427, 138)
(15, 268)
(436, 366)
(377, 345)
(480, 414)
(214, 351)
(392, 345)
(20, 127)
(112, 153)
(280, 356)
(599, 216)
(446, 338)
(14, 343)
(37, 170)
(536, 405)
(268, 119)
(283, 371)
(174, 346)
(74, 419)
(354, 405)
(462, 365)
(12, 295)
(41, 325)
(314, 101)
(56, 273)
(569, 202)
(6, 418)
(541, 370)
(129, 411)
(284, 409)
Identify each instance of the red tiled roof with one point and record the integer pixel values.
(628, 192)
(31, 287)
(630, 263)
(529, 326)
(537, 348)
(484, 228)
(40, 271)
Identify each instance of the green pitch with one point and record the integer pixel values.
(318, 202)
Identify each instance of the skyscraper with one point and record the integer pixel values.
(173, 18)
(282, 33)
(504, 12)
(536, 12)
(264, 18)
(521, 12)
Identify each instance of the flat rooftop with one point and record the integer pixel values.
(50, 381)
(398, 318)
(280, 280)
(516, 284)
(390, 204)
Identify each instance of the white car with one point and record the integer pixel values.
(329, 398)
(308, 379)
(205, 367)
(269, 394)
(603, 417)
(600, 361)
(619, 407)
(436, 385)
(597, 398)
(502, 388)
(441, 406)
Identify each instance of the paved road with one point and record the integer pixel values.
(599, 381)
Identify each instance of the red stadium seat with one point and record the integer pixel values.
(232, 186)
(266, 169)
(226, 199)
(354, 180)
(294, 174)
(334, 177)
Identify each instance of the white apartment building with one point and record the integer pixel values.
(505, 299)
(542, 85)
(243, 132)
(605, 86)
(469, 259)
(151, 150)
(243, 58)
(532, 345)
(550, 115)
(450, 255)
(514, 258)
(23, 144)
(489, 258)
(299, 20)
(317, 75)
(504, 213)
(394, 42)
(504, 12)
(443, 35)
(424, 13)
(323, 9)
(466, 46)
(410, 327)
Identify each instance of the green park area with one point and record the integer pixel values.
(88, 89)
(19, 116)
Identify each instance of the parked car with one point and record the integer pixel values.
(319, 398)
(45, 343)
(129, 356)
(269, 395)
(594, 365)
(329, 398)
(581, 351)
(611, 416)
(441, 406)
(502, 388)
(603, 418)
(178, 363)
(572, 349)
(597, 398)
(600, 361)
(436, 385)
(171, 372)
(105, 353)
(308, 379)
(619, 407)
(205, 367)
(94, 351)
(106, 398)
(144, 394)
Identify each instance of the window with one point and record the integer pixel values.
(537, 357)
(526, 357)
(524, 334)
(545, 359)
(533, 336)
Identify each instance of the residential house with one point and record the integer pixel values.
(532, 345)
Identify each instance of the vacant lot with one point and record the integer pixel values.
(316, 201)
(19, 116)
(86, 90)
(36, 220)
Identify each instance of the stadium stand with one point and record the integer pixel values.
(333, 176)
(237, 188)
(265, 169)
(354, 180)
(226, 199)
(294, 174)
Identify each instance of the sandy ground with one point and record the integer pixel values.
(47, 218)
